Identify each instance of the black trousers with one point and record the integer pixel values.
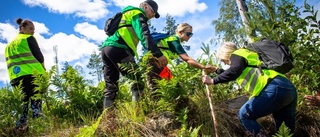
(111, 57)
(28, 91)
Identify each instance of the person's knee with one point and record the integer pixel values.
(243, 115)
(110, 94)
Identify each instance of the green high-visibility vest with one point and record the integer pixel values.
(128, 33)
(164, 47)
(251, 78)
(20, 61)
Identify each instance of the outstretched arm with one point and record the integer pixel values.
(313, 100)
(193, 63)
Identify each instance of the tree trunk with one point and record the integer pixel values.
(242, 10)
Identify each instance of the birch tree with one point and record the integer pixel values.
(243, 9)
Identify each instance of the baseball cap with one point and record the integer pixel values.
(154, 7)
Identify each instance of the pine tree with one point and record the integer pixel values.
(171, 25)
(96, 65)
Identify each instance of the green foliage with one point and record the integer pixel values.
(131, 111)
(284, 131)
(11, 107)
(182, 118)
(82, 98)
(229, 25)
(194, 131)
(306, 52)
(88, 131)
(184, 131)
(278, 20)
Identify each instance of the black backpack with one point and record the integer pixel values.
(275, 55)
(112, 24)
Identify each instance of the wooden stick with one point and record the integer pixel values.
(211, 108)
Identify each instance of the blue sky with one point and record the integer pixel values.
(76, 26)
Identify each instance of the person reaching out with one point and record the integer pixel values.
(271, 92)
(172, 49)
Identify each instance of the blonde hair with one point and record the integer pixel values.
(183, 27)
(225, 50)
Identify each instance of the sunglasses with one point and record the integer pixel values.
(189, 34)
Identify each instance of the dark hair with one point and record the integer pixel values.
(22, 23)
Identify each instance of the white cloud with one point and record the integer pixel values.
(3, 67)
(180, 7)
(41, 28)
(172, 7)
(70, 47)
(124, 3)
(92, 32)
(7, 31)
(89, 9)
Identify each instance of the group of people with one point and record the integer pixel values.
(271, 92)
(121, 47)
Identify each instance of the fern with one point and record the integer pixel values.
(284, 131)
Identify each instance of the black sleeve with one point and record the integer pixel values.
(219, 71)
(35, 50)
(150, 44)
(238, 64)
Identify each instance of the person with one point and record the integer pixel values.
(23, 58)
(271, 92)
(313, 100)
(172, 49)
(121, 47)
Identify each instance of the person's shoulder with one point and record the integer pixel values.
(175, 38)
(31, 37)
(128, 8)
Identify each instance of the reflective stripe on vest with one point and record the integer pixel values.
(251, 78)
(164, 47)
(19, 58)
(127, 33)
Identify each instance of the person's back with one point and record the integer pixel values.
(127, 37)
(262, 75)
(171, 47)
(26, 64)
(137, 29)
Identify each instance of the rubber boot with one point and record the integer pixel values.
(107, 103)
